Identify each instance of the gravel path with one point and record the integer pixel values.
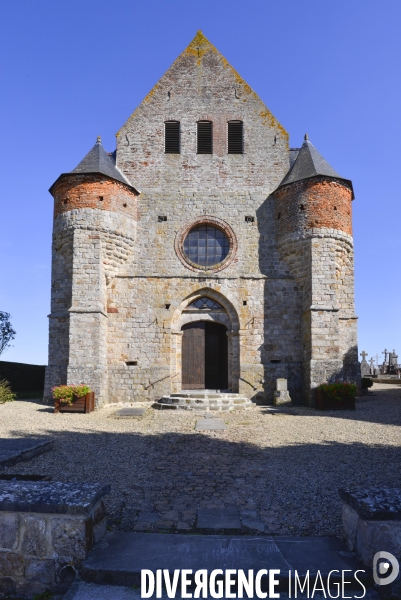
(281, 472)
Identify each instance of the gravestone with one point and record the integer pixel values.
(281, 394)
(365, 369)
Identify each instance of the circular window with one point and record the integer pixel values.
(206, 244)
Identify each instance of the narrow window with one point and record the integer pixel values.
(205, 143)
(235, 137)
(172, 137)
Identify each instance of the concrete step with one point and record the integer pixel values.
(120, 557)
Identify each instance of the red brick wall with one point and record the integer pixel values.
(317, 202)
(94, 191)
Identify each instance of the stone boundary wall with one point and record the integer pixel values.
(372, 522)
(46, 529)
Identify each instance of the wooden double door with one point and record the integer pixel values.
(204, 356)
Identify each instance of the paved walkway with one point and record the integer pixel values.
(265, 474)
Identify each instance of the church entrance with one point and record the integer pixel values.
(204, 356)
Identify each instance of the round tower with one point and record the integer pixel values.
(94, 231)
(314, 236)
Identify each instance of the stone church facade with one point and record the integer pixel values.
(203, 253)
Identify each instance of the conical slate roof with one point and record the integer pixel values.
(98, 161)
(310, 163)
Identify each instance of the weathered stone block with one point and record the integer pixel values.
(282, 398)
(40, 570)
(8, 530)
(374, 536)
(281, 384)
(11, 564)
(69, 536)
(34, 535)
(372, 521)
(350, 524)
(7, 585)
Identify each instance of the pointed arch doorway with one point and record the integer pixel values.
(204, 356)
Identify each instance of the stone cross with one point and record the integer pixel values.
(372, 365)
(385, 352)
(364, 354)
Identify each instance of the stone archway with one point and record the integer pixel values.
(226, 315)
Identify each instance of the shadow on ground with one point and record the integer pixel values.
(160, 481)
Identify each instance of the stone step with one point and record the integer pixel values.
(120, 557)
(200, 401)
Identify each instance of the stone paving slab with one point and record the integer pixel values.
(218, 518)
(119, 558)
(13, 450)
(209, 424)
(130, 412)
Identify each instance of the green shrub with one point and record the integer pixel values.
(366, 383)
(335, 391)
(65, 393)
(6, 394)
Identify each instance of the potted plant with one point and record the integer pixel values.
(73, 398)
(335, 396)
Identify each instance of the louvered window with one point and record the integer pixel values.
(172, 137)
(235, 137)
(205, 143)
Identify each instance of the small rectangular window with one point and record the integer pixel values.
(205, 137)
(161, 218)
(172, 137)
(131, 363)
(235, 137)
(249, 219)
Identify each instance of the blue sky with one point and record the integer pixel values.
(73, 70)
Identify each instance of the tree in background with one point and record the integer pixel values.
(7, 333)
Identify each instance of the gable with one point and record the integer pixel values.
(202, 85)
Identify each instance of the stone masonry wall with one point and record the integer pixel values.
(201, 85)
(98, 241)
(46, 529)
(141, 328)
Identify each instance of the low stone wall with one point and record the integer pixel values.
(372, 522)
(46, 529)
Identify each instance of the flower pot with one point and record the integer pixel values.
(324, 402)
(80, 404)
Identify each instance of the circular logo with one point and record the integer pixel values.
(386, 564)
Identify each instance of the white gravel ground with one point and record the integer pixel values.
(281, 471)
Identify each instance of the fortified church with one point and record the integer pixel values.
(203, 254)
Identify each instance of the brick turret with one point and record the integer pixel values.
(95, 215)
(313, 219)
